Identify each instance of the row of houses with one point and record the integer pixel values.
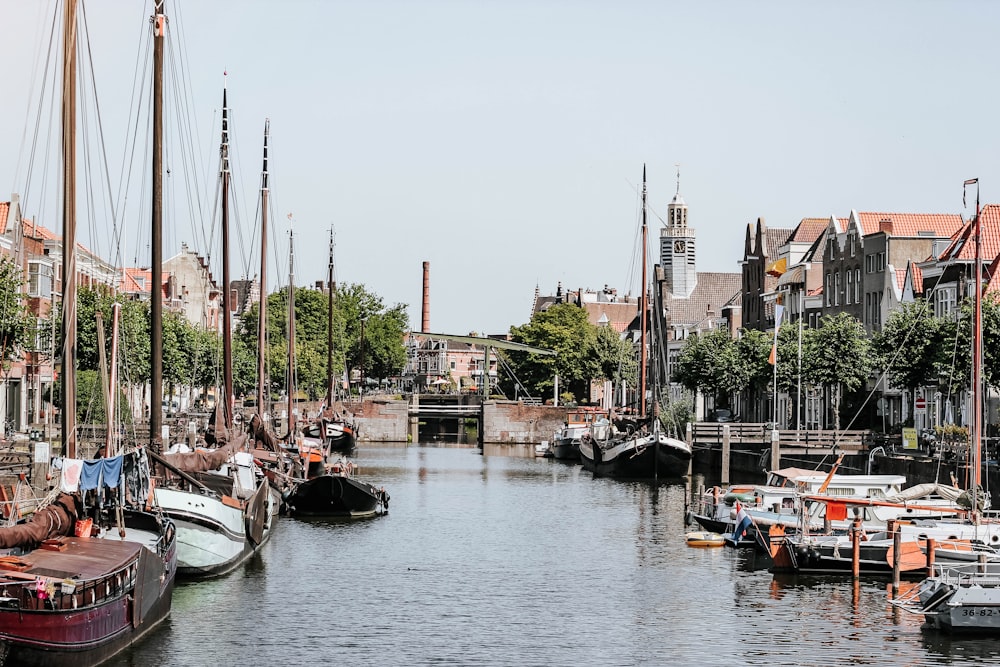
(865, 264)
(188, 287)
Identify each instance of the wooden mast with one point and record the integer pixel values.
(227, 325)
(156, 240)
(977, 359)
(642, 307)
(262, 311)
(68, 416)
(329, 328)
(291, 335)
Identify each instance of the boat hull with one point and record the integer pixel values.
(211, 535)
(644, 457)
(563, 450)
(334, 496)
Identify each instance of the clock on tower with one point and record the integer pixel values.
(678, 246)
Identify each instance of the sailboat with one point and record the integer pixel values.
(966, 598)
(325, 489)
(339, 434)
(92, 571)
(638, 449)
(219, 498)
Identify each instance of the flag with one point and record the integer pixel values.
(779, 310)
(743, 522)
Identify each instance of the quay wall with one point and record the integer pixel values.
(514, 423)
(507, 422)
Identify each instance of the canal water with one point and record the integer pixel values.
(501, 560)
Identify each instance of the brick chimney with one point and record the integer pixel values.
(425, 310)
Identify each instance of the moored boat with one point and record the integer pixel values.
(330, 490)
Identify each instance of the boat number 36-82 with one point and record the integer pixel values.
(980, 612)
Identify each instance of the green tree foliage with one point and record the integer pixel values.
(909, 348)
(709, 363)
(754, 373)
(384, 354)
(615, 358)
(838, 357)
(16, 323)
(564, 329)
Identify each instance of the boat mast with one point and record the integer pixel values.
(262, 311)
(329, 327)
(68, 416)
(227, 326)
(156, 239)
(291, 334)
(642, 307)
(977, 358)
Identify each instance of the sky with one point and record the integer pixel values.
(503, 142)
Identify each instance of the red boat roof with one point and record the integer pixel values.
(82, 558)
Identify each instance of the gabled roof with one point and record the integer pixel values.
(774, 239)
(4, 211)
(808, 230)
(963, 247)
(710, 295)
(910, 224)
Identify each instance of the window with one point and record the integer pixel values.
(39, 280)
(944, 301)
(850, 288)
(836, 292)
(857, 284)
(453, 365)
(828, 289)
(852, 245)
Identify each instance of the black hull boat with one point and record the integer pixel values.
(337, 496)
(564, 450)
(638, 457)
(336, 434)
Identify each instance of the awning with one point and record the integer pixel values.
(777, 267)
(793, 277)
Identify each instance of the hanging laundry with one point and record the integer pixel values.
(71, 470)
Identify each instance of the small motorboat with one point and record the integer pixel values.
(703, 539)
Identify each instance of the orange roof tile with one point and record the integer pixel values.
(900, 278)
(910, 224)
(963, 247)
(4, 209)
(809, 229)
(918, 278)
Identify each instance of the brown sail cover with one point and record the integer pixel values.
(203, 460)
(53, 520)
(262, 436)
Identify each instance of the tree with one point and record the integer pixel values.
(16, 323)
(564, 329)
(839, 357)
(909, 346)
(753, 371)
(709, 363)
(615, 357)
(384, 328)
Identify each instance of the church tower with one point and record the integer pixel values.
(677, 248)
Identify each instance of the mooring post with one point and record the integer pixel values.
(931, 546)
(897, 543)
(725, 455)
(856, 548)
(775, 449)
(414, 418)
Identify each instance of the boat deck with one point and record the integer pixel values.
(82, 558)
